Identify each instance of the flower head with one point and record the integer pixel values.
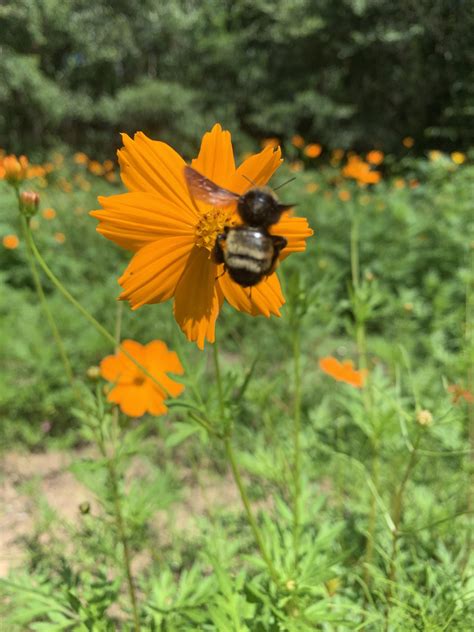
(458, 157)
(173, 235)
(29, 202)
(343, 371)
(10, 242)
(135, 392)
(359, 170)
(375, 157)
(13, 169)
(313, 150)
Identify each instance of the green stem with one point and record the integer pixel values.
(297, 444)
(361, 342)
(397, 518)
(248, 510)
(95, 323)
(236, 473)
(45, 306)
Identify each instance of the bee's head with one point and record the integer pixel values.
(259, 207)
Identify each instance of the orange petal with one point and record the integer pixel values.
(156, 404)
(258, 169)
(152, 166)
(133, 220)
(216, 157)
(154, 271)
(131, 398)
(265, 298)
(159, 358)
(197, 299)
(296, 230)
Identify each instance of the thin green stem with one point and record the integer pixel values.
(226, 437)
(45, 306)
(397, 513)
(248, 510)
(361, 342)
(217, 370)
(297, 444)
(95, 323)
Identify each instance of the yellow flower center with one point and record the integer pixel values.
(210, 225)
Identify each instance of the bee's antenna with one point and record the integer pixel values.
(284, 183)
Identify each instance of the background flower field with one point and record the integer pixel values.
(317, 471)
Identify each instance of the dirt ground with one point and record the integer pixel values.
(25, 477)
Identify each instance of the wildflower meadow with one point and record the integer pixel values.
(237, 385)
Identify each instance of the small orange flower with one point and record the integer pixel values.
(96, 168)
(173, 235)
(343, 371)
(458, 392)
(13, 169)
(313, 150)
(361, 171)
(312, 187)
(297, 140)
(408, 142)
(80, 158)
(344, 195)
(375, 157)
(60, 237)
(49, 213)
(133, 390)
(10, 242)
(108, 165)
(399, 183)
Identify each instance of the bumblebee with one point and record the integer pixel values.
(248, 251)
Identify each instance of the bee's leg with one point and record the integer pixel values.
(218, 252)
(278, 244)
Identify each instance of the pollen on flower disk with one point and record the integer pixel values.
(210, 225)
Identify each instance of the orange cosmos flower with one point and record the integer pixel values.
(60, 237)
(173, 235)
(10, 242)
(375, 157)
(344, 195)
(49, 213)
(343, 371)
(297, 140)
(13, 169)
(458, 392)
(361, 171)
(81, 158)
(313, 150)
(408, 142)
(135, 392)
(458, 157)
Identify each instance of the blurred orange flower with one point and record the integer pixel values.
(297, 140)
(96, 168)
(80, 158)
(49, 213)
(313, 150)
(173, 235)
(408, 142)
(458, 392)
(359, 170)
(11, 242)
(375, 157)
(343, 371)
(312, 187)
(60, 237)
(13, 169)
(133, 390)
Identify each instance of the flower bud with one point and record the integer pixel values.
(13, 169)
(29, 203)
(424, 418)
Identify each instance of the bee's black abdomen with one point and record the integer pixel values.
(245, 278)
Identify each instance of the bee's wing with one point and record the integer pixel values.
(203, 189)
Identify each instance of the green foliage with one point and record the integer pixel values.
(365, 453)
